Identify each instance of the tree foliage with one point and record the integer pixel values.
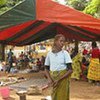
(77, 4)
(7, 4)
(3, 3)
(93, 8)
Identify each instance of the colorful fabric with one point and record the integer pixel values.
(61, 91)
(83, 75)
(76, 65)
(95, 53)
(94, 69)
(85, 52)
(33, 21)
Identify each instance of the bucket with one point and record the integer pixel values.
(5, 92)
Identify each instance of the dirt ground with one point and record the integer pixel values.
(79, 90)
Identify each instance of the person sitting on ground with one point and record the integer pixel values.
(38, 63)
(84, 67)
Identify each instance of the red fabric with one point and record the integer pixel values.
(29, 34)
(9, 32)
(68, 34)
(92, 30)
(85, 52)
(53, 12)
(83, 67)
(95, 53)
(83, 33)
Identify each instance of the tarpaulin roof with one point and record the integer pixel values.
(37, 20)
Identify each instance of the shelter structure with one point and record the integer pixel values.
(33, 21)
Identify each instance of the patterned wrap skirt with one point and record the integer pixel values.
(94, 69)
(61, 91)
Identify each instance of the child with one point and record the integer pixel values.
(84, 67)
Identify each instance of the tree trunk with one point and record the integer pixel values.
(2, 52)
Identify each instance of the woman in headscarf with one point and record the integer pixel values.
(94, 67)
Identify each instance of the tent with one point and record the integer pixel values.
(36, 20)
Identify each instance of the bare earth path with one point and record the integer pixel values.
(79, 90)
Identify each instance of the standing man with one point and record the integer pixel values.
(10, 59)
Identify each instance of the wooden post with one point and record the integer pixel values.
(2, 52)
(22, 95)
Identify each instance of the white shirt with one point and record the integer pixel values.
(57, 61)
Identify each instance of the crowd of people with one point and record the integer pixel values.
(86, 64)
(24, 61)
(60, 65)
(83, 65)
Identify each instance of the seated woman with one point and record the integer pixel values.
(84, 67)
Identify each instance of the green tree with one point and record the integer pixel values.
(8, 4)
(77, 4)
(3, 3)
(93, 8)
